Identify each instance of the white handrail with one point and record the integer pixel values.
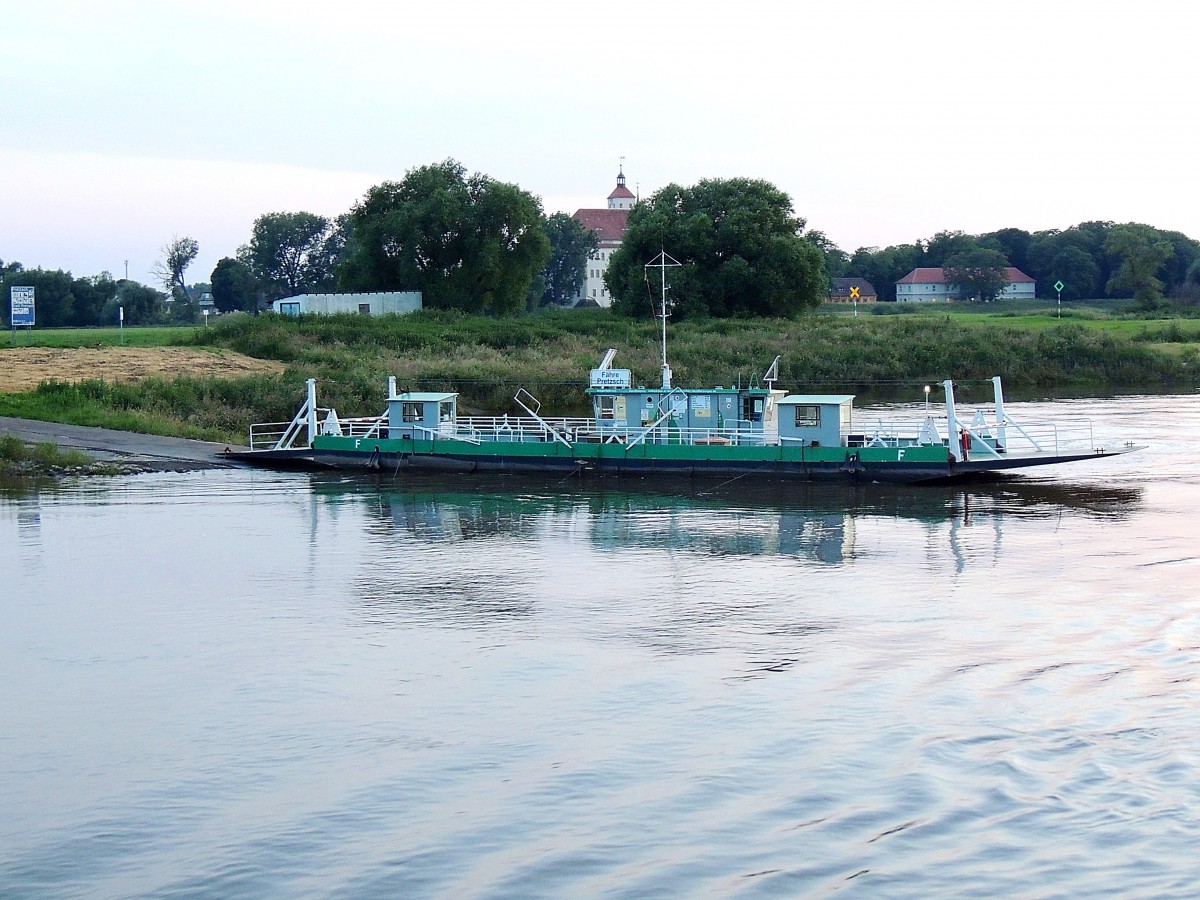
(546, 425)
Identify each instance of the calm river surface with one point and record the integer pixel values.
(248, 684)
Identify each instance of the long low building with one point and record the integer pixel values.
(928, 284)
(378, 303)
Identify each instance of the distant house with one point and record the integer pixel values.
(609, 225)
(379, 303)
(926, 285)
(841, 290)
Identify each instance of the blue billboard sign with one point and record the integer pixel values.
(21, 299)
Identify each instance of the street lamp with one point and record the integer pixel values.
(927, 401)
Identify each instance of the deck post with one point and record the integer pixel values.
(1001, 420)
(955, 446)
(312, 410)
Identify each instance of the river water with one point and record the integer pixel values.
(247, 684)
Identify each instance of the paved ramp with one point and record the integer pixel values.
(105, 445)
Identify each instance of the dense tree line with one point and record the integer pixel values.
(472, 243)
(62, 300)
(1093, 260)
(467, 242)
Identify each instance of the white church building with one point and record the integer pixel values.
(609, 225)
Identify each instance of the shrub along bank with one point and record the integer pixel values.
(487, 359)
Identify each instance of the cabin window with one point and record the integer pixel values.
(752, 409)
(412, 412)
(606, 407)
(808, 415)
(446, 411)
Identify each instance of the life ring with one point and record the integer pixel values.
(964, 440)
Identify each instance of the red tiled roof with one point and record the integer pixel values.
(620, 192)
(928, 275)
(609, 224)
(924, 276)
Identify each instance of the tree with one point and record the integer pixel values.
(947, 244)
(740, 244)
(1185, 252)
(233, 286)
(1013, 243)
(1077, 271)
(978, 273)
(143, 305)
(177, 255)
(570, 246)
(883, 268)
(1140, 254)
(91, 297)
(837, 260)
(54, 301)
(288, 252)
(473, 243)
(1053, 255)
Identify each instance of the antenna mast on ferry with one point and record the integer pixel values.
(662, 262)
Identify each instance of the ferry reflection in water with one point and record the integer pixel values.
(815, 522)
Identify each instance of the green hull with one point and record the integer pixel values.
(884, 464)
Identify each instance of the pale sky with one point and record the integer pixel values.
(124, 124)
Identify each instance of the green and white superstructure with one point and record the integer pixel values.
(755, 431)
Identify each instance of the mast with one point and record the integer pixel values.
(662, 262)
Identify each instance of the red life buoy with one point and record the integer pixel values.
(965, 443)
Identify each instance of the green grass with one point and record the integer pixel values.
(19, 458)
(148, 336)
(875, 356)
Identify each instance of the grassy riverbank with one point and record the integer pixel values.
(18, 459)
(878, 356)
(141, 336)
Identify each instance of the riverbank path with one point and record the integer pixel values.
(148, 452)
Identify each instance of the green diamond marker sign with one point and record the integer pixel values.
(1058, 285)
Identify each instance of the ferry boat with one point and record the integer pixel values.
(757, 432)
(733, 432)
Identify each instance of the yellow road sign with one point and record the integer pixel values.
(854, 291)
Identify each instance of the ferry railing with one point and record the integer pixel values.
(533, 406)
(440, 434)
(521, 428)
(365, 427)
(991, 437)
(268, 435)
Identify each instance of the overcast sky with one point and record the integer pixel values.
(123, 124)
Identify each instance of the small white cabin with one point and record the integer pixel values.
(815, 420)
(415, 414)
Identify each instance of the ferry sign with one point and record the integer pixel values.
(21, 305)
(611, 378)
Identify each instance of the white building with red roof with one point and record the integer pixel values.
(927, 284)
(609, 225)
